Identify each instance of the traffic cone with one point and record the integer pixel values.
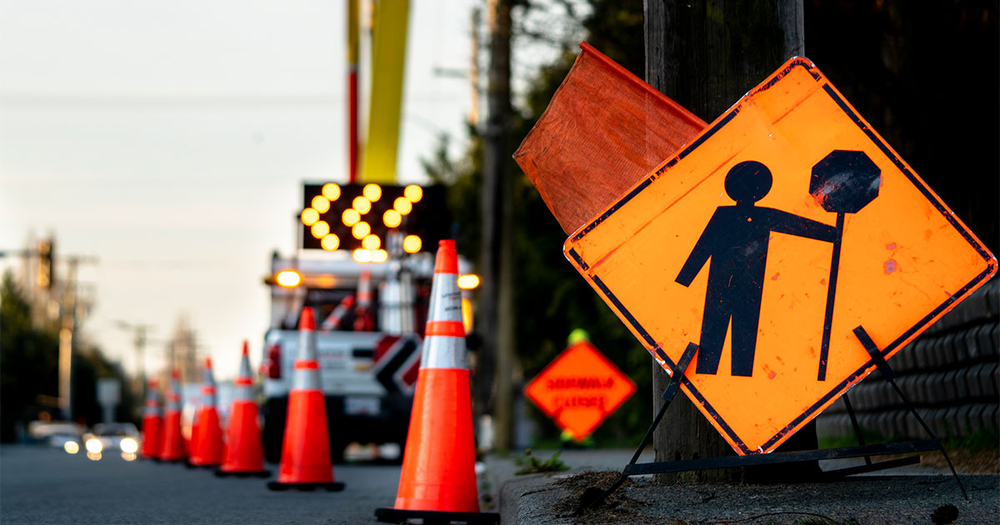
(173, 440)
(208, 438)
(438, 480)
(152, 423)
(332, 321)
(244, 455)
(305, 454)
(364, 321)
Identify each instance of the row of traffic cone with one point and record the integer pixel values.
(242, 453)
(438, 479)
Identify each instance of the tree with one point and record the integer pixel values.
(28, 361)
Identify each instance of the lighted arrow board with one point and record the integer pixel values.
(359, 216)
(768, 240)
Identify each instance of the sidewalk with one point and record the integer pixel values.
(900, 496)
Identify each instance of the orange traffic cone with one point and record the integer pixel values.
(364, 321)
(438, 480)
(305, 453)
(152, 423)
(244, 448)
(332, 321)
(173, 440)
(208, 438)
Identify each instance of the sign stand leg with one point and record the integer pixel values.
(862, 450)
(668, 396)
(889, 375)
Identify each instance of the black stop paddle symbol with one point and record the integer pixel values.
(843, 182)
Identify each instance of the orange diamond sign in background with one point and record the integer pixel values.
(579, 389)
(784, 226)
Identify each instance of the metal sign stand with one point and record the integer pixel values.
(862, 450)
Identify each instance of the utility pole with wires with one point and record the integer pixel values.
(140, 332)
(497, 250)
(67, 332)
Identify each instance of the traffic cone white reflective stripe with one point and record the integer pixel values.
(152, 407)
(244, 383)
(208, 394)
(438, 479)
(332, 321)
(444, 334)
(306, 373)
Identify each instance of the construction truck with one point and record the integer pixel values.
(369, 320)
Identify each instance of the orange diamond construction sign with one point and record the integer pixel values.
(579, 389)
(784, 229)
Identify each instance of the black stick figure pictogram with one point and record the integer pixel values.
(736, 240)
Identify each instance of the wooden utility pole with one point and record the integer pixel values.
(497, 253)
(706, 54)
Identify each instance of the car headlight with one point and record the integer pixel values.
(94, 446)
(129, 446)
(71, 447)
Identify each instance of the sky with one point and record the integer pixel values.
(170, 140)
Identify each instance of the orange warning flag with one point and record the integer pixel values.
(579, 389)
(603, 131)
(782, 228)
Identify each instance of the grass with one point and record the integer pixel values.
(533, 465)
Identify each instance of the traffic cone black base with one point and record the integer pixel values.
(307, 487)
(219, 473)
(386, 515)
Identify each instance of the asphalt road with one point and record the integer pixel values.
(45, 485)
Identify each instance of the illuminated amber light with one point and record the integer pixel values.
(288, 278)
(321, 203)
(351, 217)
(331, 191)
(309, 216)
(402, 205)
(360, 230)
(467, 315)
(362, 255)
(372, 192)
(362, 204)
(371, 242)
(392, 218)
(414, 193)
(468, 281)
(412, 244)
(330, 242)
(320, 229)
(379, 256)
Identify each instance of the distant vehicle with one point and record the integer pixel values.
(367, 366)
(55, 433)
(122, 437)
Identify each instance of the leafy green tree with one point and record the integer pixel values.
(29, 369)
(29, 360)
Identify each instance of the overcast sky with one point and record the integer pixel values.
(170, 140)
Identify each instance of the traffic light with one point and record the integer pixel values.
(45, 256)
(359, 217)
